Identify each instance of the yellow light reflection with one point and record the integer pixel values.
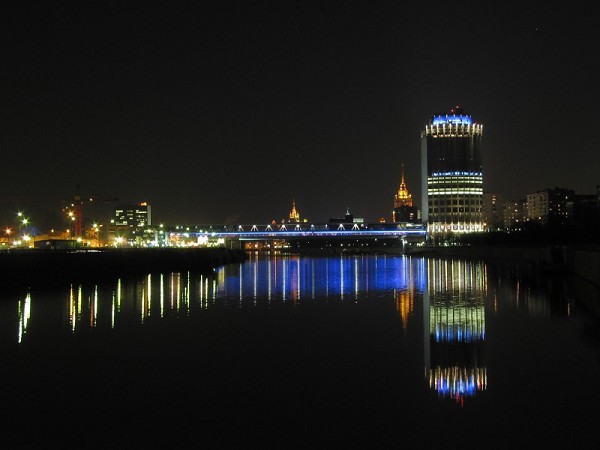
(24, 316)
(404, 306)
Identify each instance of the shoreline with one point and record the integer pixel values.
(38, 268)
(579, 260)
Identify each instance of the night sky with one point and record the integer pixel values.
(224, 112)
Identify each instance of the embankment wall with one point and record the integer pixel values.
(583, 261)
(44, 267)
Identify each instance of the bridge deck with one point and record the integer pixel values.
(305, 231)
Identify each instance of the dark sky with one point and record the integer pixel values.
(223, 112)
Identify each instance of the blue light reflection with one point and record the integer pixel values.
(296, 276)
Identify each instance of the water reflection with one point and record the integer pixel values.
(362, 349)
(454, 307)
(131, 302)
(24, 313)
(454, 296)
(255, 283)
(297, 278)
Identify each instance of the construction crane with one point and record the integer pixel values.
(76, 210)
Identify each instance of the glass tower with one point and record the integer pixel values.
(451, 173)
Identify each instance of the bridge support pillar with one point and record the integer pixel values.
(233, 244)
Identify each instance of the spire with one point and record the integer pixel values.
(294, 216)
(402, 198)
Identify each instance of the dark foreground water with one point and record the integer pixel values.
(298, 352)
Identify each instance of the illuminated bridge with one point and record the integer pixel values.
(303, 235)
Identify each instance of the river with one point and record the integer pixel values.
(305, 352)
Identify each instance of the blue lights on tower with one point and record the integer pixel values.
(456, 119)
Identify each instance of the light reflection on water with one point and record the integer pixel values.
(442, 307)
(452, 293)
(454, 348)
(260, 280)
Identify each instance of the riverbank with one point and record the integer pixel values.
(37, 267)
(580, 260)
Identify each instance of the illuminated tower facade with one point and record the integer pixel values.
(451, 173)
(404, 211)
(294, 215)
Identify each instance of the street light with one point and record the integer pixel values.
(96, 229)
(23, 221)
(70, 216)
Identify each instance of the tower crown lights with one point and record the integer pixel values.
(458, 119)
(456, 116)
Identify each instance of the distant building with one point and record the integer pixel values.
(130, 224)
(404, 211)
(451, 173)
(56, 244)
(514, 213)
(583, 209)
(294, 214)
(491, 211)
(133, 216)
(537, 206)
(55, 239)
(348, 218)
(549, 207)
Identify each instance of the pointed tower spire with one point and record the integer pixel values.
(402, 197)
(294, 216)
(403, 203)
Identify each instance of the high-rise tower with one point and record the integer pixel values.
(451, 173)
(294, 215)
(404, 211)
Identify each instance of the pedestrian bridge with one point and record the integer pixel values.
(301, 231)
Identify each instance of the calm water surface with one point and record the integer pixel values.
(300, 352)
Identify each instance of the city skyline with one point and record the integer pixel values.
(225, 113)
